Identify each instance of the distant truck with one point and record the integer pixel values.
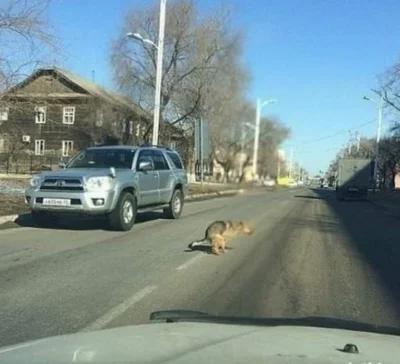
(354, 178)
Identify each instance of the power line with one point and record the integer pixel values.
(344, 131)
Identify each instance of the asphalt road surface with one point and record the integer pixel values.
(310, 255)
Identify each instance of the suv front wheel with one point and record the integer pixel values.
(174, 210)
(123, 216)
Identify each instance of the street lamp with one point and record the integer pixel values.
(260, 105)
(138, 37)
(378, 133)
(159, 47)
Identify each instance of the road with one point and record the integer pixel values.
(309, 255)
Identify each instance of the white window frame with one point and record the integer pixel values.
(137, 132)
(67, 146)
(69, 115)
(99, 118)
(40, 114)
(4, 111)
(38, 147)
(130, 127)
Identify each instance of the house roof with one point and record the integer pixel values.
(91, 88)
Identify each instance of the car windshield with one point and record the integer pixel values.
(130, 174)
(103, 158)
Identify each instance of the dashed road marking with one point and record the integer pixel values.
(102, 321)
(190, 262)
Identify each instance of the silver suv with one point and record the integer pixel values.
(116, 181)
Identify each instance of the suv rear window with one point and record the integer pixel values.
(103, 158)
(175, 159)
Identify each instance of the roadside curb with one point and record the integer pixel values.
(207, 196)
(9, 218)
(191, 198)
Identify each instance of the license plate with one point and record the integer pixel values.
(56, 202)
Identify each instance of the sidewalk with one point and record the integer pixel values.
(388, 200)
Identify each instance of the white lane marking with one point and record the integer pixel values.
(21, 346)
(190, 262)
(119, 310)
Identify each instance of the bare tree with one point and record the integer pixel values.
(272, 134)
(389, 89)
(26, 39)
(194, 49)
(389, 159)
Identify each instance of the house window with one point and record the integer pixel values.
(69, 115)
(137, 131)
(3, 114)
(172, 145)
(100, 118)
(67, 147)
(130, 127)
(40, 114)
(39, 146)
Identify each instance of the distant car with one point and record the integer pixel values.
(293, 184)
(269, 183)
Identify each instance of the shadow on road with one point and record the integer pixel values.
(203, 248)
(375, 234)
(84, 223)
(309, 197)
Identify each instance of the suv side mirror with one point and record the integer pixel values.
(145, 165)
(62, 164)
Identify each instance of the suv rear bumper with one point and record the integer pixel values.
(79, 202)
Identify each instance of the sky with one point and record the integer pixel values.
(318, 58)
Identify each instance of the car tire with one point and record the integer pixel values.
(123, 217)
(44, 219)
(174, 210)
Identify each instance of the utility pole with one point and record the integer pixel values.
(378, 139)
(256, 138)
(259, 106)
(279, 169)
(201, 149)
(358, 141)
(290, 163)
(160, 47)
(380, 104)
(242, 143)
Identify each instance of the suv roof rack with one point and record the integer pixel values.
(153, 146)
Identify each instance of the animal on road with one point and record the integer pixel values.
(218, 232)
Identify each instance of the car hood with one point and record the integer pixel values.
(188, 342)
(82, 172)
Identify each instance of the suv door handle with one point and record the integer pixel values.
(155, 175)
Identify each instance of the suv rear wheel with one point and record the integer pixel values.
(123, 216)
(174, 210)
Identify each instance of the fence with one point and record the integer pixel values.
(24, 163)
